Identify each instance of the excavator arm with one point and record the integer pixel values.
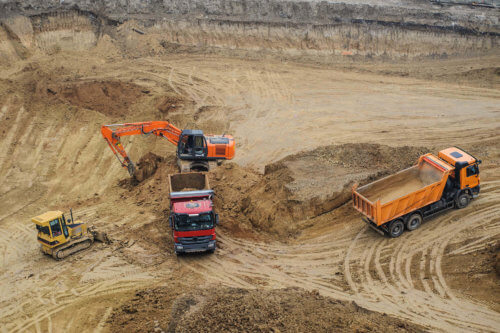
(112, 134)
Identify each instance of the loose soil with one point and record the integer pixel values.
(237, 310)
(146, 167)
(298, 187)
(308, 184)
(188, 182)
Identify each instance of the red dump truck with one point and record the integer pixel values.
(405, 199)
(192, 217)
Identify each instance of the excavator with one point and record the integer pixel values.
(195, 151)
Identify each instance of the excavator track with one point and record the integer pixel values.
(75, 246)
(197, 165)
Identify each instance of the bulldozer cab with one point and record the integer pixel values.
(192, 145)
(52, 228)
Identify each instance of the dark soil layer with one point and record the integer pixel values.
(241, 310)
(112, 98)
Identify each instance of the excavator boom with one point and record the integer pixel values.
(113, 132)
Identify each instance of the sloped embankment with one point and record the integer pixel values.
(294, 189)
(311, 183)
(290, 28)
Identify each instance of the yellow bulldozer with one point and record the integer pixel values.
(60, 237)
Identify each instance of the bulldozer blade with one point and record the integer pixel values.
(101, 237)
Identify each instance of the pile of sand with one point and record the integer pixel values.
(402, 183)
(311, 183)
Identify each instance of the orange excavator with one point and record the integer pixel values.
(195, 151)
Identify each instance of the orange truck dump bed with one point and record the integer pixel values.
(424, 189)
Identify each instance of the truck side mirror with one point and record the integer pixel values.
(216, 219)
(170, 221)
(479, 162)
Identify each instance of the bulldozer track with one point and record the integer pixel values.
(67, 251)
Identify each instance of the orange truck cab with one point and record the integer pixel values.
(466, 173)
(403, 200)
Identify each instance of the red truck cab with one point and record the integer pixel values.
(192, 217)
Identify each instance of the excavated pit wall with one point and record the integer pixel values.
(404, 29)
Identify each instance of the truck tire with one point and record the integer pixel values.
(414, 222)
(462, 201)
(396, 228)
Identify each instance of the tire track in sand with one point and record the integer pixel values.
(379, 273)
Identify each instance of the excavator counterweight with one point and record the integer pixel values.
(195, 151)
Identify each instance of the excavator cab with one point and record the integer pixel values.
(192, 145)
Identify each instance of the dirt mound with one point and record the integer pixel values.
(231, 183)
(112, 98)
(241, 310)
(171, 102)
(311, 183)
(292, 190)
(150, 170)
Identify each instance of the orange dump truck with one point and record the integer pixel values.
(405, 199)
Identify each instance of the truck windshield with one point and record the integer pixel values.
(184, 222)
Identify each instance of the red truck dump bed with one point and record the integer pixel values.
(401, 193)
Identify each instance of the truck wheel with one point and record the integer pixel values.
(462, 201)
(414, 222)
(396, 228)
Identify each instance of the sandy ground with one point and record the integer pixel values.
(53, 157)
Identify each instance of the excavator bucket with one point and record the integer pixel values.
(102, 237)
